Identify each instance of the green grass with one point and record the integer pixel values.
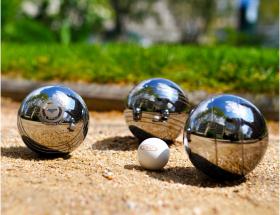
(215, 69)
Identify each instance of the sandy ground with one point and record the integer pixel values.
(76, 185)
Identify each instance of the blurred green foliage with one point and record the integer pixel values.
(192, 17)
(61, 21)
(72, 21)
(215, 69)
(269, 11)
(237, 38)
(26, 30)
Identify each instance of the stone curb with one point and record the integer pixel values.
(107, 97)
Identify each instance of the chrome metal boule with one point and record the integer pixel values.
(53, 120)
(156, 108)
(225, 137)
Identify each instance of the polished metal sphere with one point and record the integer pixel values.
(53, 120)
(156, 108)
(225, 137)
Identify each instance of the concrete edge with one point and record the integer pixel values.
(107, 97)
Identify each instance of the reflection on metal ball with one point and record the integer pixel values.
(53, 120)
(156, 108)
(225, 137)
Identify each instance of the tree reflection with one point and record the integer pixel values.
(156, 97)
(31, 108)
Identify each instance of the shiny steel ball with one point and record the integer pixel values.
(225, 137)
(53, 120)
(156, 108)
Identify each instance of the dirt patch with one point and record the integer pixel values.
(79, 183)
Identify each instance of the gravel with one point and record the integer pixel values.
(103, 176)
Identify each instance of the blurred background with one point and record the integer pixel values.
(214, 45)
(236, 22)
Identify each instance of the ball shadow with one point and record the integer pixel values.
(186, 176)
(127, 143)
(20, 152)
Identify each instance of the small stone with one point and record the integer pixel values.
(131, 205)
(197, 211)
(107, 174)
